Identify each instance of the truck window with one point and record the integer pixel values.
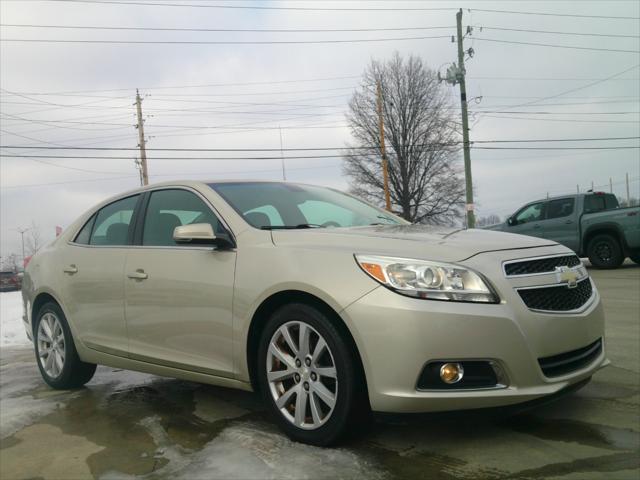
(530, 213)
(598, 202)
(560, 208)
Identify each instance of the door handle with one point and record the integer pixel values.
(568, 222)
(71, 269)
(536, 226)
(138, 275)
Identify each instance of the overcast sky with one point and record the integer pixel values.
(82, 94)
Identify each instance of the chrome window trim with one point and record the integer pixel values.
(583, 308)
(528, 259)
(150, 191)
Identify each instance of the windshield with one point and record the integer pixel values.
(286, 205)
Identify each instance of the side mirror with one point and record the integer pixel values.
(511, 221)
(201, 233)
(194, 233)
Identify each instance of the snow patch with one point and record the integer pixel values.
(12, 331)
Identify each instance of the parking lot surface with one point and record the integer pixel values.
(128, 425)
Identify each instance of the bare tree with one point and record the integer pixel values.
(32, 240)
(492, 219)
(421, 137)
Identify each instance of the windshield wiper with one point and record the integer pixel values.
(291, 227)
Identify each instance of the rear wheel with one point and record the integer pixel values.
(308, 375)
(604, 251)
(56, 353)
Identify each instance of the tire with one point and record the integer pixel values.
(604, 251)
(321, 424)
(51, 328)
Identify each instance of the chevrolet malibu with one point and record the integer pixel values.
(326, 305)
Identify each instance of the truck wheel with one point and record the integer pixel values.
(56, 353)
(604, 252)
(308, 376)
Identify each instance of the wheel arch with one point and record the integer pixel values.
(279, 299)
(604, 229)
(38, 301)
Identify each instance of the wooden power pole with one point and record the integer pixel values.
(471, 219)
(141, 140)
(383, 150)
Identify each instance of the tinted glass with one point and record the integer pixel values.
(594, 203)
(530, 213)
(83, 236)
(611, 202)
(266, 205)
(560, 208)
(113, 221)
(168, 209)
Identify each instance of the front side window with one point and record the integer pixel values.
(168, 209)
(284, 205)
(530, 213)
(560, 208)
(111, 225)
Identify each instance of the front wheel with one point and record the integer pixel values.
(58, 360)
(308, 375)
(604, 251)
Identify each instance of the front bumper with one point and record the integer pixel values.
(397, 335)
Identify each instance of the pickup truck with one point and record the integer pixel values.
(591, 224)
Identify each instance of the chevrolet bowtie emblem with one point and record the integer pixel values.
(567, 275)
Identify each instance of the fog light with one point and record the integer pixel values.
(451, 373)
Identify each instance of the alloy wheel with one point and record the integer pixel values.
(302, 375)
(51, 345)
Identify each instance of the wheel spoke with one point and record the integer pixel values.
(317, 351)
(58, 361)
(49, 362)
(286, 396)
(315, 409)
(304, 340)
(301, 407)
(329, 372)
(283, 357)
(324, 394)
(284, 330)
(43, 352)
(280, 375)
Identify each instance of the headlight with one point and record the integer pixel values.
(429, 280)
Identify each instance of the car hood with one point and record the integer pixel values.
(411, 241)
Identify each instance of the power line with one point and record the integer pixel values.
(530, 140)
(557, 32)
(227, 30)
(553, 45)
(570, 120)
(550, 14)
(257, 7)
(224, 42)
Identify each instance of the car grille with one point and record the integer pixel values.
(559, 298)
(540, 265)
(568, 362)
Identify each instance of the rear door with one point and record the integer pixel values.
(93, 276)
(560, 223)
(178, 296)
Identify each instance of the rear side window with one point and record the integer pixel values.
(111, 225)
(560, 208)
(168, 209)
(594, 203)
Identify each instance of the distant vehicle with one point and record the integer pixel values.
(10, 280)
(326, 305)
(591, 224)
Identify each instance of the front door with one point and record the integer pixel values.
(528, 221)
(179, 297)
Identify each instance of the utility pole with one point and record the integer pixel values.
(138, 165)
(628, 196)
(383, 150)
(141, 140)
(471, 219)
(610, 185)
(22, 231)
